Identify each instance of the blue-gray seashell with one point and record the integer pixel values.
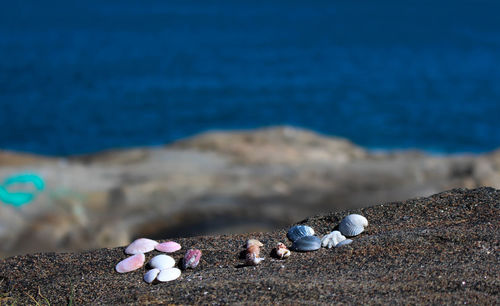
(299, 231)
(306, 244)
(353, 225)
(344, 242)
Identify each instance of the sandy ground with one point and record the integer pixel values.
(440, 249)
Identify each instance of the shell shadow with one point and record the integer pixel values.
(180, 264)
(274, 254)
(242, 254)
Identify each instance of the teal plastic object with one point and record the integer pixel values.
(20, 198)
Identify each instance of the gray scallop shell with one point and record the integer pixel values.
(343, 242)
(299, 231)
(353, 225)
(306, 244)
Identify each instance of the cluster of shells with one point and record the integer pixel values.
(350, 226)
(162, 267)
(304, 239)
(252, 255)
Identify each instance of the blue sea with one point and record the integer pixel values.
(86, 76)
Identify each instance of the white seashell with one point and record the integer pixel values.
(141, 245)
(168, 274)
(332, 239)
(344, 242)
(131, 263)
(282, 251)
(151, 275)
(299, 231)
(353, 225)
(162, 262)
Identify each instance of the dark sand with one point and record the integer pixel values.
(441, 249)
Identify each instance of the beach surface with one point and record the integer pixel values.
(438, 249)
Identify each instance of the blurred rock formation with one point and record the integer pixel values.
(218, 182)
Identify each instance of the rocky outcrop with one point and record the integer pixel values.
(437, 250)
(218, 182)
(282, 145)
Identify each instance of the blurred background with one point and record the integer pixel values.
(161, 119)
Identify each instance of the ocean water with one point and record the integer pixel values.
(86, 76)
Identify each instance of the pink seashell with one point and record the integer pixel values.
(131, 263)
(141, 245)
(281, 245)
(191, 259)
(254, 249)
(168, 247)
(252, 257)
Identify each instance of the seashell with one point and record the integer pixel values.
(141, 245)
(131, 263)
(253, 259)
(253, 242)
(353, 225)
(332, 239)
(254, 249)
(191, 259)
(299, 231)
(307, 243)
(168, 247)
(151, 275)
(162, 262)
(168, 274)
(282, 251)
(344, 242)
